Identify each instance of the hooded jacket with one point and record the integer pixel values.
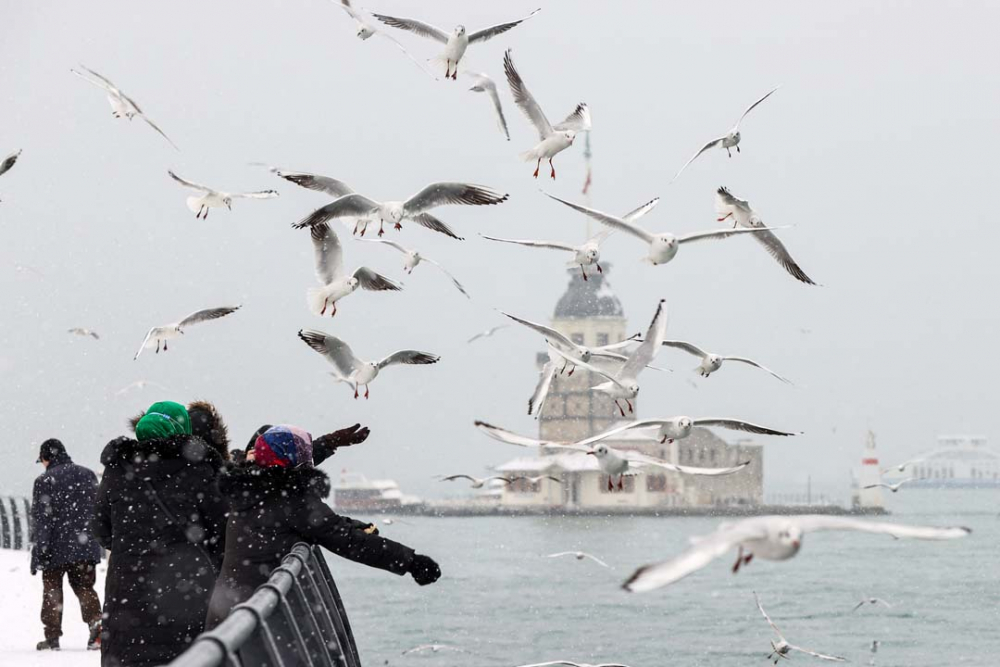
(163, 563)
(271, 509)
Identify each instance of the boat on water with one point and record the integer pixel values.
(355, 492)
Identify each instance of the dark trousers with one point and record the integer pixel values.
(82, 577)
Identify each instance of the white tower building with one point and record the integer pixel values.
(870, 474)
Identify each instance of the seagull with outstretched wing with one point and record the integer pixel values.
(781, 648)
(678, 428)
(579, 555)
(158, 336)
(414, 258)
(482, 83)
(479, 482)
(121, 104)
(711, 362)
(366, 29)
(8, 162)
(335, 282)
(488, 333)
(211, 198)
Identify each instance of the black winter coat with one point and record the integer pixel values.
(161, 572)
(271, 509)
(61, 506)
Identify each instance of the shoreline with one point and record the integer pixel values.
(447, 511)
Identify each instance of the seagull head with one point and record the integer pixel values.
(459, 30)
(353, 283)
(684, 423)
(364, 31)
(395, 213)
(593, 254)
(585, 354)
(569, 134)
(228, 201)
(791, 536)
(600, 451)
(633, 388)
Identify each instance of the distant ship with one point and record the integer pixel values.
(355, 492)
(958, 461)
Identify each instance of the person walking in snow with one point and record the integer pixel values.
(160, 513)
(275, 501)
(61, 507)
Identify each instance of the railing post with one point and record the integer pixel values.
(328, 587)
(4, 526)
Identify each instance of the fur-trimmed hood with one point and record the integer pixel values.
(247, 484)
(128, 451)
(206, 422)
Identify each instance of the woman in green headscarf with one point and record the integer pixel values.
(160, 513)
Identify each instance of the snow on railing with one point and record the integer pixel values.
(296, 618)
(15, 523)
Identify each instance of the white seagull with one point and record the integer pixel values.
(365, 29)
(352, 370)
(482, 83)
(771, 538)
(612, 462)
(80, 331)
(572, 351)
(479, 482)
(579, 555)
(663, 246)
(727, 205)
(537, 478)
(455, 43)
(433, 648)
(873, 602)
(552, 139)
(121, 104)
(160, 335)
(679, 428)
(589, 253)
(138, 384)
(902, 466)
(729, 140)
(414, 258)
(488, 333)
(711, 362)
(360, 207)
(211, 198)
(892, 487)
(335, 283)
(781, 648)
(8, 162)
(570, 663)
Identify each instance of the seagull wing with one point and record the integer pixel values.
(399, 45)
(374, 282)
(553, 245)
(206, 315)
(643, 460)
(149, 121)
(833, 658)
(701, 553)
(329, 254)
(488, 333)
(391, 244)
(452, 278)
(408, 357)
(525, 100)
(863, 602)
(578, 121)
(766, 617)
(189, 184)
(549, 333)
(330, 186)
(484, 84)
(500, 28)
(512, 438)
(737, 425)
(537, 401)
(414, 26)
(744, 360)
(609, 220)
(690, 348)
(144, 341)
(643, 355)
(101, 82)
(353, 13)
(711, 144)
(595, 559)
(818, 522)
(443, 194)
(637, 213)
(432, 223)
(751, 107)
(584, 365)
(348, 206)
(621, 428)
(260, 194)
(718, 234)
(777, 249)
(727, 202)
(336, 351)
(452, 478)
(8, 162)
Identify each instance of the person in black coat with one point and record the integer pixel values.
(276, 500)
(160, 513)
(61, 507)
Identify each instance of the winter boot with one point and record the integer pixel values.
(48, 645)
(94, 641)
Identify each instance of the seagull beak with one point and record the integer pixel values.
(796, 543)
(229, 206)
(591, 453)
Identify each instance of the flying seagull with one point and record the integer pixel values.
(455, 43)
(570, 663)
(488, 333)
(589, 253)
(414, 258)
(729, 140)
(572, 352)
(79, 331)
(160, 335)
(727, 205)
(769, 537)
(335, 283)
(433, 648)
(360, 207)
(365, 29)
(902, 466)
(663, 246)
(482, 83)
(352, 370)
(211, 198)
(478, 482)
(552, 139)
(121, 104)
(892, 487)
(579, 555)
(679, 428)
(138, 384)
(537, 478)
(711, 362)
(8, 162)
(873, 602)
(781, 648)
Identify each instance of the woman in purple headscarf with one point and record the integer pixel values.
(276, 501)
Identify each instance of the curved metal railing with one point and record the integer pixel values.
(15, 523)
(296, 618)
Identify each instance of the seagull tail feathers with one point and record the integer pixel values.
(316, 298)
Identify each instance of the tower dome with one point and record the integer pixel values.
(590, 298)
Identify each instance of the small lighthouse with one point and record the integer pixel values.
(870, 474)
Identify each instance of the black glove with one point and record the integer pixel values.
(424, 570)
(352, 435)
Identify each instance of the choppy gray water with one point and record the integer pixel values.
(500, 598)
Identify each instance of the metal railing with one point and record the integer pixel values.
(15, 523)
(296, 618)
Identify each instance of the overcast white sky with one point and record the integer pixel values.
(880, 148)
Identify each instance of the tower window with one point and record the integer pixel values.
(602, 339)
(577, 338)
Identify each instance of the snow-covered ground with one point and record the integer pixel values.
(20, 610)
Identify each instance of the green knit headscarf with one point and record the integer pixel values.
(163, 420)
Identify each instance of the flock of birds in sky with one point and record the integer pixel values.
(618, 365)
